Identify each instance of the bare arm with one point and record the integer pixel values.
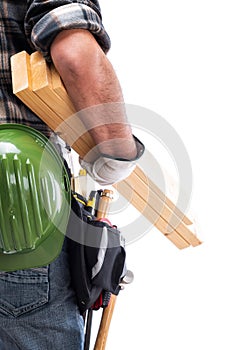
(94, 89)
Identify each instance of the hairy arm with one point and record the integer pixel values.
(95, 91)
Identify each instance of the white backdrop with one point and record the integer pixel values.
(176, 58)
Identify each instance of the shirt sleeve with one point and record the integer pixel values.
(45, 19)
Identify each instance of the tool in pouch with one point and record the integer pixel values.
(97, 254)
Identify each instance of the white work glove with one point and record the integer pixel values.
(107, 170)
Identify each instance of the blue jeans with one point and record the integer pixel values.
(38, 309)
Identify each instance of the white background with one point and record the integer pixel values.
(176, 58)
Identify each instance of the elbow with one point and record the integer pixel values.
(74, 52)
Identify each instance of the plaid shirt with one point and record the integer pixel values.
(32, 25)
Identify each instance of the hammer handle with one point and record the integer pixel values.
(101, 339)
(105, 324)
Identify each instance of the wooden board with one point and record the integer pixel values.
(40, 87)
(44, 103)
(173, 221)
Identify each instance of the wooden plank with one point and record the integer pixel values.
(22, 88)
(150, 214)
(162, 196)
(20, 69)
(59, 89)
(50, 102)
(173, 222)
(42, 87)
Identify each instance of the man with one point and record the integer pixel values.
(37, 306)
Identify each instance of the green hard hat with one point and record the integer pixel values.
(34, 199)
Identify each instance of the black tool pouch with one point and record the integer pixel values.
(97, 256)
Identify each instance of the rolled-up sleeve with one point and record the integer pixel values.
(45, 19)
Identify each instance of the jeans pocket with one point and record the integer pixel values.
(23, 291)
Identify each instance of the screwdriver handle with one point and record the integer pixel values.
(104, 204)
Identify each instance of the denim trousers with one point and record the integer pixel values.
(38, 309)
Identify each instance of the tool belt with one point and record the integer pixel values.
(97, 256)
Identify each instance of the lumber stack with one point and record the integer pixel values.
(40, 87)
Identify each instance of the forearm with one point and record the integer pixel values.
(95, 91)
